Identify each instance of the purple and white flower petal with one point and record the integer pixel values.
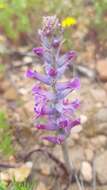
(71, 125)
(75, 122)
(72, 105)
(66, 58)
(49, 127)
(47, 58)
(61, 60)
(43, 78)
(73, 84)
(64, 123)
(42, 110)
(40, 92)
(66, 107)
(68, 124)
(63, 94)
(61, 71)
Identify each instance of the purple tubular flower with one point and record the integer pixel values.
(72, 106)
(39, 92)
(49, 127)
(42, 110)
(66, 58)
(68, 107)
(69, 124)
(73, 85)
(75, 122)
(39, 51)
(55, 139)
(38, 76)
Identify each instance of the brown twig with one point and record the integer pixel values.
(6, 166)
(51, 156)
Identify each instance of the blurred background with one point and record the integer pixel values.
(19, 23)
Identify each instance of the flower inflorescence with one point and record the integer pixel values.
(53, 105)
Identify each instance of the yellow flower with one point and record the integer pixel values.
(3, 5)
(69, 21)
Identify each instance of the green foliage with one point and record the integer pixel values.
(2, 186)
(22, 186)
(24, 16)
(100, 21)
(17, 186)
(100, 8)
(13, 17)
(17, 16)
(5, 136)
(2, 68)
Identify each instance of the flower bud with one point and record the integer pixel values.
(52, 72)
(56, 43)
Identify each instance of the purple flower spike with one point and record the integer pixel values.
(53, 112)
(39, 51)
